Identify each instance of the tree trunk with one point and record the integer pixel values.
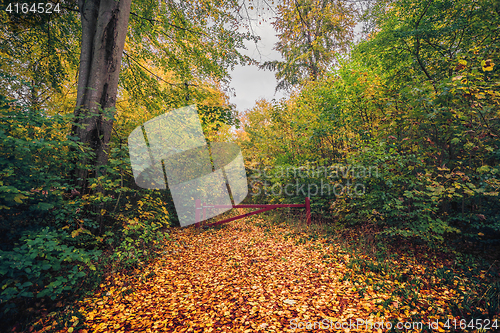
(104, 28)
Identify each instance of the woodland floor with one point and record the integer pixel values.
(256, 276)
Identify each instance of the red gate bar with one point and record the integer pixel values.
(201, 208)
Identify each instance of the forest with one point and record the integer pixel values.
(390, 126)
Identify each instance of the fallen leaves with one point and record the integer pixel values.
(242, 278)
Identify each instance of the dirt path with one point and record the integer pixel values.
(240, 278)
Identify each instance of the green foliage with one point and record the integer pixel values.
(41, 265)
(34, 163)
(417, 101)
(38, 256)
(50, 240)
(292, 184)
(36, 52)
(143, 233)
(188, 44)
(397, 196)
(310, 35)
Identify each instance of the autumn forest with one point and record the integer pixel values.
(390, 128)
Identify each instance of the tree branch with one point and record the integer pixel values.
(170, 24)
(417, 47)
(158, 77)
(147, 70)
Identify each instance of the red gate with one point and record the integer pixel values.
(201, 211)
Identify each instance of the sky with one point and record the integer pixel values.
(249, 82)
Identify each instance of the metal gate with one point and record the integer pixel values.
(201, 211)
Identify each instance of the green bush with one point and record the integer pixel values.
(40, 265)
(50, 238)
(409, 198)
(142, 234)
(398, 197)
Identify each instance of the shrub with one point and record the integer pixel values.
(41, 265)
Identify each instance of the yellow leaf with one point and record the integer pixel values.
(487, 65)
(18, 198)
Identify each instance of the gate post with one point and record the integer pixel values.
(308, 211)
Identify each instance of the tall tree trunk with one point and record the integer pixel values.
(104, 28)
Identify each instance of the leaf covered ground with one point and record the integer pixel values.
(268, 277)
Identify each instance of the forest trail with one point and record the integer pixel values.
(247, 276)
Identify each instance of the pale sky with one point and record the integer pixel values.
(249, 82)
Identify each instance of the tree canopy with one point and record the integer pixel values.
(312, 33)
